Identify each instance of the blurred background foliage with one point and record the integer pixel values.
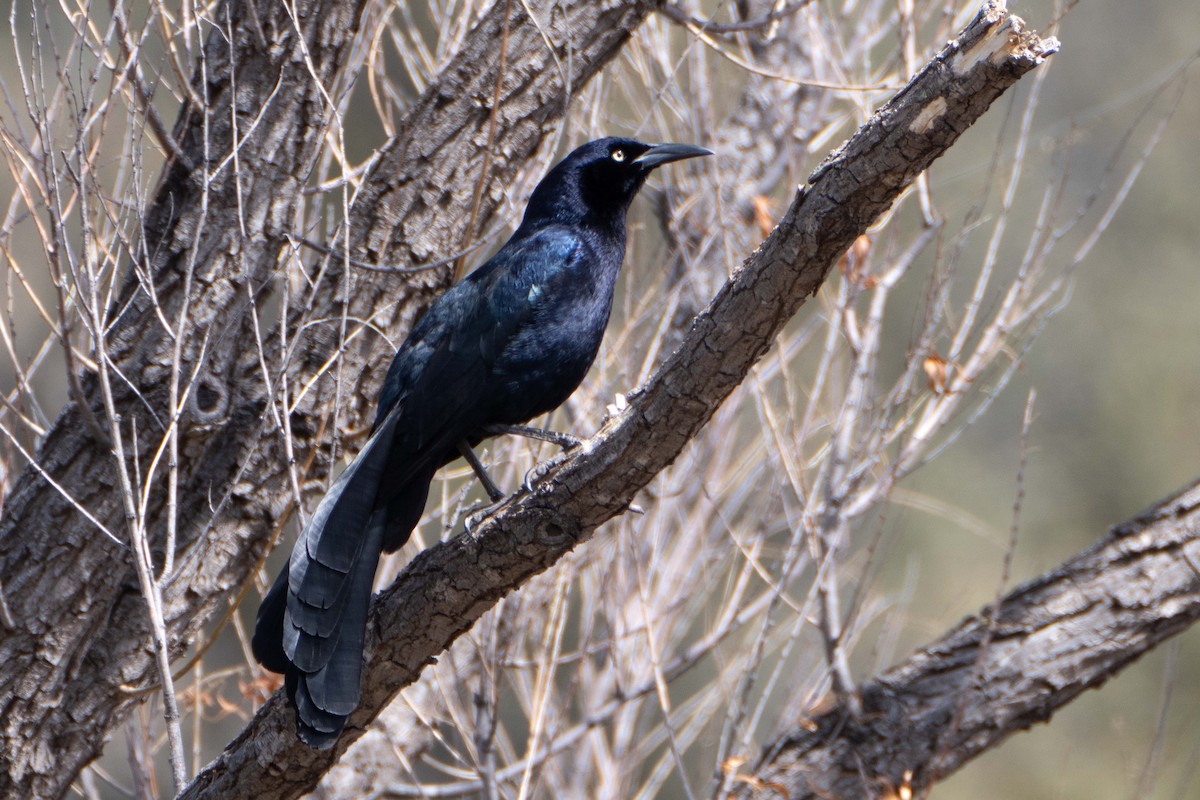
(1117, 375)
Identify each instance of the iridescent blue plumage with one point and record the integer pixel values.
(511, 341)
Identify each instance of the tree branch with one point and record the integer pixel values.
(1069, 630)
(447, 587)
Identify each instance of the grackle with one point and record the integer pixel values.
(511, 341)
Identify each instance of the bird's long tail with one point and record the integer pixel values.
(311, 625)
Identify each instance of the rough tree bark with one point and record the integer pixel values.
(447, 587)
(63, 580)
(1004, 670)
(79, 655)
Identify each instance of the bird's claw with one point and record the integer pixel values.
(567, 441)
(541, 470)
(475, 517)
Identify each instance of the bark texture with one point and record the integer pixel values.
(80, 631)
(447, 587)
(1004, 670)
(80, 654)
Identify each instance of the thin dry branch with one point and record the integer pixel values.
(446, 588)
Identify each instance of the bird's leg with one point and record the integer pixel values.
(564, 440)
(489, 486)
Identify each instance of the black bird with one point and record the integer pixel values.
(511, 341)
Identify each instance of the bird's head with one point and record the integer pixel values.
(598, 180)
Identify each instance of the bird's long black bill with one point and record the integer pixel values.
(661, 154)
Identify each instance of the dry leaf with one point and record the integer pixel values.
(760, 784)
(853, 263)
(733, 763)
(260, 687)
(904, 792)
(762, 215)
(936, 369)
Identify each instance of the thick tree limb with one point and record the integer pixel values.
(62, 693)
(998, 673)
(447, 587)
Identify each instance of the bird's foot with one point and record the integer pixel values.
(566, 441)
(541, 470)
(473, 519)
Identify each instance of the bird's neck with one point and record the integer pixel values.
(562, 203)
(609, 225)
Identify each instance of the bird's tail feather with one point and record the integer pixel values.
(326, 696)
(267, 642)
(311, 625)
(326, 564)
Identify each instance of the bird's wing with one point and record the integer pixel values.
(437, 378)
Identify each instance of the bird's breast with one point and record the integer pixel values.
(548, 359)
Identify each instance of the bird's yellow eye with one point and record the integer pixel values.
(618, 155)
